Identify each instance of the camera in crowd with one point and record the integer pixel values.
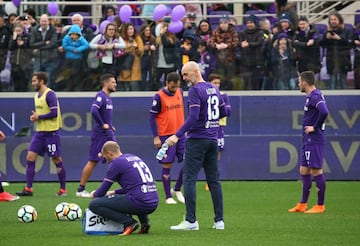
(24, 17)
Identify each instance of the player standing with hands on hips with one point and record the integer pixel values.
(47, 117)
(103, 130)
(166, 117)
(312, 156)
(206, 107)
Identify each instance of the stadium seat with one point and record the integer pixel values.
(357, 17)
(321, 29)
(240, 28)
(215, 20)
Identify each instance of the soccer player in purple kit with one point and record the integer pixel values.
(46, 139)
(206, 107)
(137, 196)
(166, 117)
(312, 156)
(103, 129)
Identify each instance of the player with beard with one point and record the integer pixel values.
(315, 113)
(47, 117)
(103, 130)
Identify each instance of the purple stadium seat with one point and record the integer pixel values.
(215, 20)
(240, 28)
(357, 17)
(321, 28)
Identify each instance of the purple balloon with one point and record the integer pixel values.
(16, 2)
(53, 8)
(178, 13)
(103, 26)
(125, 13)
(176, 26)
(160, 11)
(111, 18)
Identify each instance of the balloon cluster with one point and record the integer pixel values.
(177, 13)
(12, 7)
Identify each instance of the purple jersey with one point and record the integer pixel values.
(315, 113)
(135, 179)
(206, 107)
(102, 110)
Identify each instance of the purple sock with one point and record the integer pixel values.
(321, 187)
(179, 181)
(306, 187)
(30, 173)
(165, 174)
(60, 169)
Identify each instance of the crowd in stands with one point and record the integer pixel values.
(261, 54)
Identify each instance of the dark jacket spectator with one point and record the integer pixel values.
(337, 41)
(21, 54)
(306, 43)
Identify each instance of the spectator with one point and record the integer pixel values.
(188, 47)
(86, 31)
(189, 25)
(283, 6)
(43, 41)
(286, 25)
(21, 54)
(109, 47)
(337, 41)
(206, 61)
(224, 41)
(147, 59)
(282, 59)
(357, 57)
(109, 13)
(306, 44)
(31, 14)
(130, 74)
(252, 62)
(203, 31)
(166, 56)
(11, 19)
(265, 26)
(4, 44)
(75, 46)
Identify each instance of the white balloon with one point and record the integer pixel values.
(10, 8)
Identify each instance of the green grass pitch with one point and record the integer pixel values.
(255, 214)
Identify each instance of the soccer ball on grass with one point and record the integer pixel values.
(27, 214)
(72, 212)
(59, 210)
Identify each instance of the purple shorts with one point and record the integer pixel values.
(312, 156)
(46, 142)
(178, 150)
(221, 139)
(97, 141)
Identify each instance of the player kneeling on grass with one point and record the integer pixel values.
(137, 196)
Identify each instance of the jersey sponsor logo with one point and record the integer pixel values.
(211, 124)
(109, 106)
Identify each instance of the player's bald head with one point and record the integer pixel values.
(111, 146)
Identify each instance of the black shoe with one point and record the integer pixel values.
(24, 192)
(144, 229)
